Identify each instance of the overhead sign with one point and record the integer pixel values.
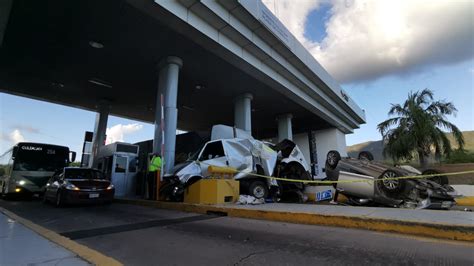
(272, 23)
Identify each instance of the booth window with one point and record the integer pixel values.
(132, 165)
(120, 164)
(212, 150)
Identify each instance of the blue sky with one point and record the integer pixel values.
(373, 83)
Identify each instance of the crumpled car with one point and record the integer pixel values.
(248, 156)
(406, 193)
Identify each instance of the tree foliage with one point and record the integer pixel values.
(418, 126)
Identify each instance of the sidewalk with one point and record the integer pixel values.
(21, 246)
(453, 225)
(441, 217)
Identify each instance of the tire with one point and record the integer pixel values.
(59, 202)
(44, 199)
(333, 158)
(365, 155)
(258, 189)
(442, 179)
(391, 187)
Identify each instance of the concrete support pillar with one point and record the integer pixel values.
(285, 130)
(326, 140)
(243, 112)
(5, 8)
(168, 87)
(100, 128)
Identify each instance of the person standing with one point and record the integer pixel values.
(154, 174)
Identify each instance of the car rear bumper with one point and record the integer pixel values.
(79, 197)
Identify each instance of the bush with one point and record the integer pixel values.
(460, 156)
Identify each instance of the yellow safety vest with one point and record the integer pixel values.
(155, 164)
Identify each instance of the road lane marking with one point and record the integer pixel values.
(79, 234)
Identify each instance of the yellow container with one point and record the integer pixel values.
(212, 191)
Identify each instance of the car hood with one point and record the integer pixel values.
(186, 170)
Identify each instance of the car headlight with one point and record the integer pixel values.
(21, 182)
(111, 186)
(71, 186)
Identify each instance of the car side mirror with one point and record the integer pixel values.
(15, 151)
(73, 156)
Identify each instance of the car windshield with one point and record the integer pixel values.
(194, 156)
(83, 174)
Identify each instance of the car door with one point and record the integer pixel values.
(212, 154)
(54, 185)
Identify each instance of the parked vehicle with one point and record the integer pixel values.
(26, 167)
(78, 185)
(408, 193)
(248, 156)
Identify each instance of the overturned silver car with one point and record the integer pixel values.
(431, 193)
(248, 156)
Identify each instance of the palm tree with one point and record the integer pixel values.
(418, 127)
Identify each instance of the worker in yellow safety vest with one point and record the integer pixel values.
(154, 173)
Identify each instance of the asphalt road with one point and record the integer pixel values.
(138, 235)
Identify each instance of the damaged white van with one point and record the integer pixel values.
(230, 147)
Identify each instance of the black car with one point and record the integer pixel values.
(73, 185)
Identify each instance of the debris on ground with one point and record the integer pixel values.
(251, 200)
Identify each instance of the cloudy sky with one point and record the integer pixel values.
(378, 51)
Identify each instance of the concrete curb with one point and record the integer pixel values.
(88, 254)
(443, 231)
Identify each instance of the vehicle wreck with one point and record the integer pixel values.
(386, 190)
(253, 159)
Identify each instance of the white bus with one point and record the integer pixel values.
(25, 168)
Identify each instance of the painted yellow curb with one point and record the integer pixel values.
(442, 231)
(88, 254)
(465, 201)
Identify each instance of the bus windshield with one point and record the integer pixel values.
(40, 158)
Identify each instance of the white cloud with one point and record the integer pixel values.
(368, 39)
(117, 132)
(16, 136)
(28, 129)
(13, 137)
(293, 13)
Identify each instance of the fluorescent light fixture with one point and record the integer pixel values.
(188, 108)
(100, 82)
(199, 87)
(96, 45)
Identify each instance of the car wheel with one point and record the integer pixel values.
(59, 200)
(333, 158)
(441, 179)
(391, 186)
(44, 198)
(258, 189)
(365, 155)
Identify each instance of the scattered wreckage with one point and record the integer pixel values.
(421, 193)
(253, 159)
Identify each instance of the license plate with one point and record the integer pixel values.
(324, 195)
(446, 204)
(93, 195)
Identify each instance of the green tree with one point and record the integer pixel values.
(418, 127)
